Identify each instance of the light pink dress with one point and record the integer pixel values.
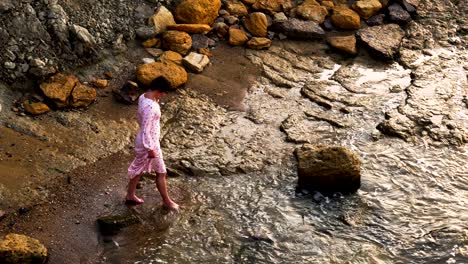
(147, 139)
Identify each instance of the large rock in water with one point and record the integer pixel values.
(384, 41)
(58, 88)
(328, 169)
(173, 73)
(298, 29)
(22, 249)
(197, 11)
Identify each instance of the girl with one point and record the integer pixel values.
(148, 155)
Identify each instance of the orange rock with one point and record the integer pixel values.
(259, 43)
(236, 8)
(152, 43)
(312, 11)
(82, 96)
(197, 11)
(343, 42)
(237, 37)
(173, 73)
(58, 88)
(171, 56)
(257, 24)
(367, 8)
(101, 83)
(190, 28)
(345, 18)
(177, 41)
(205, 51)
(35, 108)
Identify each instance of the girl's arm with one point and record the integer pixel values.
(149, 142)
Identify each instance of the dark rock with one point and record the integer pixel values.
(146, 32)
(328, 25)
(5, 5)
(398, 15)
(376, 20)
(128, 94)
(202, 41)
(384, 41)
(408, 7)
(298, 29)
(328, 169)
(113, 223)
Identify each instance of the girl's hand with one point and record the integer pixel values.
(151, 154)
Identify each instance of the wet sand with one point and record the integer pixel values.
(66, 221)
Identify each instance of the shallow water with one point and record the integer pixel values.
(411, 208)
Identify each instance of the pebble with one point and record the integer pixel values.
(9, 65)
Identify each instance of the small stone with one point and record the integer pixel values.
(82, 96)
(151, 43)
(196, 62)
(101, 83)
(190, 28)
(35, 108)
(161, 19)
(231, 20)
(205, 51)
(177, 41)
(257, 24)
(9, 65)
(145, 32)
(148, 60)
(109, 75)
(83, 35)
(279, 17)
(236, 7)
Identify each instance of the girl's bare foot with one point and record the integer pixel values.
(134, 199)
(171, 205)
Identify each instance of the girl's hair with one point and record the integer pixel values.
(160, 84)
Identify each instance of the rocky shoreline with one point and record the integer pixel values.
(308, 94)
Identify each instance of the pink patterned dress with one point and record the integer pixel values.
(147, 139)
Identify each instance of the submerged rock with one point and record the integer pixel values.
(382, 40)
(113, 223)
(16, 249)
(328, 169)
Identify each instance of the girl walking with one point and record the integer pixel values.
(148, 154)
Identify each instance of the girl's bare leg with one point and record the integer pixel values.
(131, 192)
(162, 188)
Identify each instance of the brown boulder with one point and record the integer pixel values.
(249, 2)
(257, 24)
(16, 248)
(171, 56)
(345, 18)
(35, 108)
(58, 88)
(236, 8)
(197, 11)
(173, 73)
(190, 28)
(343, 42)
(237, 37)
(311, 10)
(259, 43)
(367, 8)
(82, 96)
(328, 169)
(177, 41)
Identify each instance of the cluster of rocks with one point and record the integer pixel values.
(58, 92)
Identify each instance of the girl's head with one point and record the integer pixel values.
(160, 85)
